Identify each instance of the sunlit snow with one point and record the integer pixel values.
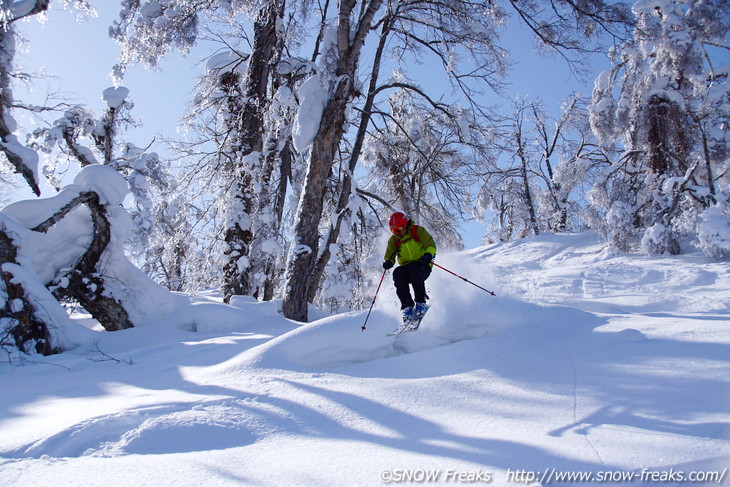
(585, 361)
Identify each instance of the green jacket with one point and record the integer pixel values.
(407, 248)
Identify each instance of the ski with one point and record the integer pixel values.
(403, 328)
(408, 326)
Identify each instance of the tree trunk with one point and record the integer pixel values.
(237, 275)
(237, 233)
(86, 284)
(303, 256)
(18, 311)
(346, 187)
(305, 247)
(526, 195)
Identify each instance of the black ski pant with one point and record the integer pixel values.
(413, 274)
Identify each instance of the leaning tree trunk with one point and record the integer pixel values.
(86, 283)
(305, 247)
(347, 185)
(24, 320)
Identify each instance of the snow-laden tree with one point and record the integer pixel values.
(248, 206)
(233, 109)
(418, 162)
(78, 138)
(538, 181)
(463, 37)
(70, 247)
(28, 311)
(93, 271)
(665, 107)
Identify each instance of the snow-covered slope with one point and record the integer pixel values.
(608, 365)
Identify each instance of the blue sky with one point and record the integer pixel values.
(80, 55)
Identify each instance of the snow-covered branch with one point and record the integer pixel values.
(82, 198)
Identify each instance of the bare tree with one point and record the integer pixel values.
(422, 165)
(23, 315)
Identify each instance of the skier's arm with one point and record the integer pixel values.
(427, 241)
(391, 251)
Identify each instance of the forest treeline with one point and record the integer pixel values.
(307, 128)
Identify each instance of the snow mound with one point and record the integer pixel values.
(632, 335)
(173, 428)
(338, 341)
(576, 270)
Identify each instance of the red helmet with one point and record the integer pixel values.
(398, 222)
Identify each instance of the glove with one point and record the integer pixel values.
(387, 264)
(427, 258)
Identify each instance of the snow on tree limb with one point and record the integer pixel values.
(23, 159)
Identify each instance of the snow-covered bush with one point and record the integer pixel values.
(714, 234)
(664, 106)
(619, 227)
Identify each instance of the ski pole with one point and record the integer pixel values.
(463, 278)
(376, 295)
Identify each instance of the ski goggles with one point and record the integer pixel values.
(397, 230)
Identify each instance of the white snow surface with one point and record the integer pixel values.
(585, 362)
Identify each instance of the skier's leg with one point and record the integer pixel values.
(418, 273)
(401, 279)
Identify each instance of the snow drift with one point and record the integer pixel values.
(584, 363)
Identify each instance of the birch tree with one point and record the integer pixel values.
(354, 22)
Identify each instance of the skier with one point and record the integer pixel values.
(415, 249)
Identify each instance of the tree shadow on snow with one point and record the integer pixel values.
(619, 379)
(94, 369)
(408, 432)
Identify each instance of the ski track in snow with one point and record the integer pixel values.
(582, 362)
